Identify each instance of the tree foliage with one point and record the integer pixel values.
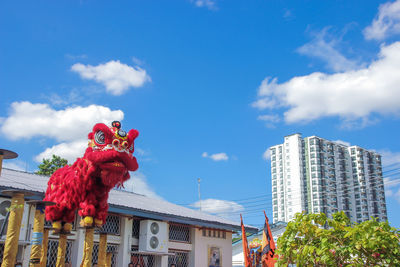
(315, 240)
(48, 167)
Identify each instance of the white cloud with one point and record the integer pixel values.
(210, 4)
(341, 142)
(351, 95)
(28, 120)
(219, 207)
(69, 151)
(267, 154)
(114, 75)
(15, 165)
(325, 47)
(69, 126)
(390, 183)
(389, 157)
(216, 156)
(270, 119)
(386, 23)
(138, 184)
(397, 195)
(388, 193)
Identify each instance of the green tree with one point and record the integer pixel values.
(48, 167)
(315, 240)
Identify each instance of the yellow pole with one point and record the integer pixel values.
(88, 248)
(37, 236)
(62, 245)
(102, 250)
(13, 229)
(43, 258)
(108, 260)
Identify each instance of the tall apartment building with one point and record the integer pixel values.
(315, 175)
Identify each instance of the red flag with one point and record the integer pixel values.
(246, 251)
(268, 256)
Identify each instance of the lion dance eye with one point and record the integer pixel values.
(99, 138)
(124, 145)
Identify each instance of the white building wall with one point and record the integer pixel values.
(202, 245)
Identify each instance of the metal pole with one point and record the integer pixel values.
(198, 181)
(62, 246)
(37, 235)
(43, 258)
(88, 248)
(102, 250)
(13, 230)
(108, 259)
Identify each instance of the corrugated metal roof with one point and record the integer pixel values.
(128, 203)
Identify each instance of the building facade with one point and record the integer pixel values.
(315, 175)
(191, 236)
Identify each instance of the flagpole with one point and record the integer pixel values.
(198, 181)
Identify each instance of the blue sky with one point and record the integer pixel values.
(209, 84)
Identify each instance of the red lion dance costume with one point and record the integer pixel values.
(86, 184)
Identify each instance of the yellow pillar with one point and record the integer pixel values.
(13, 229)
(62, 245)
(37, 236)
(108, 260)
(43, 258)
(88, 248)
(101, 261)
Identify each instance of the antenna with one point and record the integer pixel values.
(198, 182)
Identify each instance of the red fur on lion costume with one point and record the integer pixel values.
(86, 184)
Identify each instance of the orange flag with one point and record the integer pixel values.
(268, 256)
(246, 251)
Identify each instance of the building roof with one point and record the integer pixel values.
(274, 227)
(127, 203)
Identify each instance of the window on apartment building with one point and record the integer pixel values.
(273, 151)
(353, 151)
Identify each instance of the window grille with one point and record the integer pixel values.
(112, 225)
(110, 248)
(143, 260)
(52, 252)
(179, 232)
(135, 228)
(180, 259)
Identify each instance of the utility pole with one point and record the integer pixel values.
(198, 182)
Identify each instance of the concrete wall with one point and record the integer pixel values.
(199, 257)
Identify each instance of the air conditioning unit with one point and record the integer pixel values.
(4, 207)
(153, 236)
